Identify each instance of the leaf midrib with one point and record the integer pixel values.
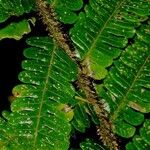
(102, 29)
(123, 102)
(43, 95)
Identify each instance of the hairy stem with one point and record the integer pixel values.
(105, 128)
(54, 28)
(85, 82)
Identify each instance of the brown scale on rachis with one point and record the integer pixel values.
(85, 81)
(54, 27)
(104, 130)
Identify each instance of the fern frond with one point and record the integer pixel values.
(16, 30)
(141, 141)
(103, 30)
(66, 9)
(81, 119)
(126, 88)
(83, 115)
(3, 135)
(40, 114)
(10, 8)
(7, 141)
(89, 144)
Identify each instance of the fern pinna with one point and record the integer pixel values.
(129, 98)
(100, 34)
(10, 8)
(39, 107)
(47, 108)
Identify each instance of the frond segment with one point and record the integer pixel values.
(15, 8)
(40, 113)
(126, 88)
(141, 141)
(15, 30)
(103, 30)
(90, 144)
(66, 9)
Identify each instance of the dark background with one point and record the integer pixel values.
(10, 65)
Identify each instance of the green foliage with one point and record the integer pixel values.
(67, 9)
(16, 30)
(10, 8)
(39, 108)
(141, 141)
(127, 86)
(103, 30)
(89, 144)
(47, 110)
(81, 120)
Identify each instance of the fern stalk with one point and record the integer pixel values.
(49, 18)
(105, 129)
(85, 83)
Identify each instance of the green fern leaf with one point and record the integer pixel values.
(40, 113)
(3, 136)
(15, 8)
(89, 144)
(16, 30)
(126, 88)
(83, 113)
(103, 30)
(141, 142)
(7, 141)
(81, 119)
(67, 9)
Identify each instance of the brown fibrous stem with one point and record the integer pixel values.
(54, 28)
(104, 130)
(85, 83)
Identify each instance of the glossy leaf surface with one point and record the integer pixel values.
(39, 115)
(103, 31)
(10, 8)
(127, 86)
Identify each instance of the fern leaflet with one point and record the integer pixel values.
(39, 114)
(127, 86)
